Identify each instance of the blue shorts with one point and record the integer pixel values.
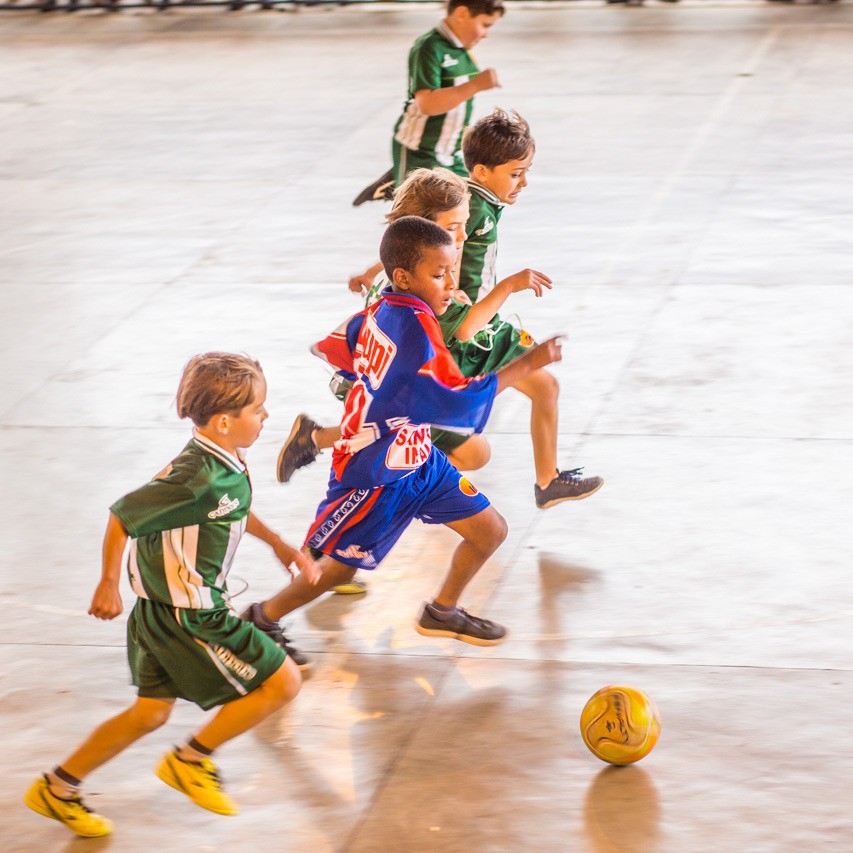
(358, 527)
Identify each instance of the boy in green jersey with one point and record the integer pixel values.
(443, 79)
(498, 151)
(183, 640)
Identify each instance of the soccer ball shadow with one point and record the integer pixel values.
(622, 811)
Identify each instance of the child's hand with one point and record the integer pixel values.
(461, 296)
(361, 283)
(529, 280)
(548, 352)
(106, 602)
(487, 79)
(289, 556)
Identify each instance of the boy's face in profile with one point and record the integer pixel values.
(471, 29)
(507, 180)
(237, 432)
(431, 279)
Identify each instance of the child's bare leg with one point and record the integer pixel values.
(544, 391)
(325, 437)
(117, 734)
(242, 714)
(474, 453)
(482, 535)
(300, 592)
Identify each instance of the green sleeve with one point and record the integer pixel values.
(452, 319)
(424, 68)
(473, 254)
(163, 504)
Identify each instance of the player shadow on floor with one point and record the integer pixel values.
(558, 580)
(90, 845)
(354, 721)
(622, 812)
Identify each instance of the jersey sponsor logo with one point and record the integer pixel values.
(487, 226)
(374, 352)
(467, 487)
(410, 449)
(230, 661)
(226, 505)
(353, 552)
(449, 61)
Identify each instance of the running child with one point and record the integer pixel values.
(385, 471)
(479, 341)
(183, 640)
(443, 79)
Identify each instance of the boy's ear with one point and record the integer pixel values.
(480, 173)
(400, 279)
(220, 424)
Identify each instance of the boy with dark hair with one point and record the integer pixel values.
(183, 640)
(443, 79)
(385, 471)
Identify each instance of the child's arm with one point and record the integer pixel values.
(483, 311)
(286, 554)
(539, 356)
(106, 602)
(362, 283)
(436, 102)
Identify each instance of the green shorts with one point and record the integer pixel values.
(209, 657)
(406, 160)
(446, 440)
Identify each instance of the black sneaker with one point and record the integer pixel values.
(382, 189)
(299, 450)
(567, 486)
(462, 626)
(254, 614)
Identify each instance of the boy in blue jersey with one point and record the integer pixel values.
(183, 640)
(385, 471)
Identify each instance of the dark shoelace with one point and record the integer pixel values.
(571, 474)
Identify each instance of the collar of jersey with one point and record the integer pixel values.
(446, 33)
(221, 454)
(405, 300)
(481, 191)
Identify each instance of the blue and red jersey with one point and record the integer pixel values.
(405, 382)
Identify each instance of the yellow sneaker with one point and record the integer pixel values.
(73, 813)
(200, 782)
(354, 587)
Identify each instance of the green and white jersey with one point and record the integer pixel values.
(479, 252)
(437, 60)
(185, 527)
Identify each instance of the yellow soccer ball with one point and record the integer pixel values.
(620, 724)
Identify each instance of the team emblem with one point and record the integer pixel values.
(467, 487)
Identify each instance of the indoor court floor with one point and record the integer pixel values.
(174, 183)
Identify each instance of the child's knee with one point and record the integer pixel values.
(494, 531)
(549, 387)
(284, 685)
(147, 715)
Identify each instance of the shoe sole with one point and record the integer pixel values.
(165, 774)
(575, 498)
(349, 589)
(41, 807)
(465, 638)
(296, 425)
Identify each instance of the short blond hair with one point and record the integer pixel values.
(428, 192)
(216, 383)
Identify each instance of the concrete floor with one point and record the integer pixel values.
(180, 182)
